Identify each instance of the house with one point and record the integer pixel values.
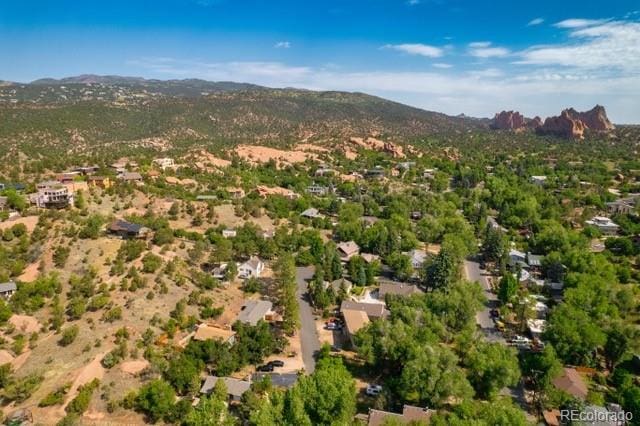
(130, 177)
(251, 268)
(604, 224)
(253, 311)
(86, 170)
(7, 289)
(375, 173)
(410, 414)
(429, 173)
(208, 332)
(534, 260)
(622, 206)
(318, 190)
(164, 163)
(235, 388)
(338, 285)
(493, 224)
(406, 165)
(268, 233)
(236, 193)
(229, 233)
(153, 174)
(324, 171)
(52, 194)
(219, 271)
(572, 383)
(369, 258)
(398, 289)
(279, 380)
(347, 250)
(103, 182)
(128, 230)
(369, 221)
(354, 320)
(536, 327)
(538, 180)
(66, 177)
(517, 257)
(418, 258)
(373, 310)
(311, 213)
(206, 197)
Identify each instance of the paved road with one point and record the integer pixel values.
(309, 339)
(483, 318)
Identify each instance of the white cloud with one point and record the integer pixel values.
(417, 49)
(479, 44)
(578, 23)
(442, 65)
(485, 50)
(282, 45)
(536, 21)
(606, 46)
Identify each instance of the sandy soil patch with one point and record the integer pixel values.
(134, 367)
(232, 298)
(25, 323)
(203, 158)
(28, 221)
(262, 154)
(20, 360)
(30, 273)
(93, 370)
(5, 357)
(311, 147)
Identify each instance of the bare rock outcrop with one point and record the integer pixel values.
(571, 124)
(508, 120)
(564, 126)
(374, 144)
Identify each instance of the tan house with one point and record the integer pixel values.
(103, 182)
(410, 414)
(347, 250)
(572, 383)
(206, 332)
(354, 321)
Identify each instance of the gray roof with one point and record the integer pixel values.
(280, 380)
(235, 387)
(373, 310)
(252, 263)
(253, 311)
(400, 289)
(310, 212)
(9, 286)
(534, 259)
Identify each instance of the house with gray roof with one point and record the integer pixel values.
(373, 310)
(235, 388)
(253, 311)
(7, 289)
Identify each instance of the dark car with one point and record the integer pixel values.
(265, 368)
(277, 363)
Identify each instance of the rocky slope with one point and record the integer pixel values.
(570, 124)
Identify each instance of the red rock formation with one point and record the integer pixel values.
(564, 126)
(508, 120)
(534, 123)
(595, 119)
(571, 124)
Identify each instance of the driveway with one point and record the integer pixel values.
(309, 339)
(473, 272)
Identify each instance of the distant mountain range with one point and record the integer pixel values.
(92, 110)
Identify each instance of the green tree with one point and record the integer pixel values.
(491, 367)
(285, 278)
(507, 289)
(156, 400)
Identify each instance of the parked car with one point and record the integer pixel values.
(277, 363)
(265, 368)
(373, 390)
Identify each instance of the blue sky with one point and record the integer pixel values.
(474, 57)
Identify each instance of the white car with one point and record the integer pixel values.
(373, 390)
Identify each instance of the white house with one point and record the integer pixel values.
(604, 224)
(251, 268)
(418, 257)
(538, 180)
(164, 163)
(311, 213)
(229, 233)
(7, 289)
